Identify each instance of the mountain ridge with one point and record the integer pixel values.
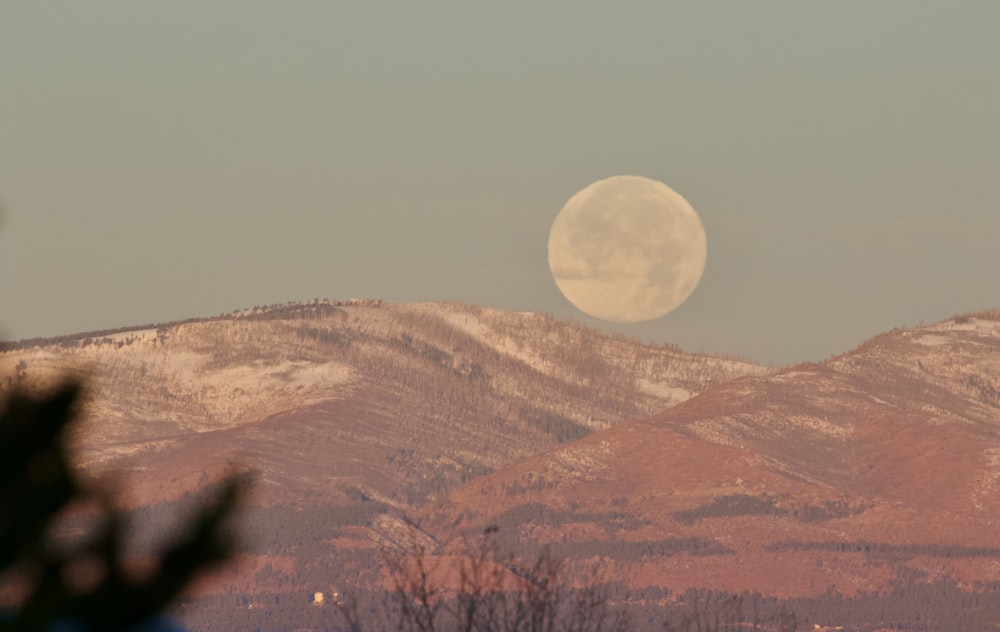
(435, 363)
(789, 466)
(366, 420)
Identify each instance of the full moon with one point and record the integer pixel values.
(627, 249)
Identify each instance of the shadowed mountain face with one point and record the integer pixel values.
(878, 464)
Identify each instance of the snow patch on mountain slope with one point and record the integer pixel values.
(472, 325)
(931, 340)
(673, 394)
(976, 326)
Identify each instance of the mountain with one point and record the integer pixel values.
(373, 425)
(875, 467)
(398, 401)
(349, 412)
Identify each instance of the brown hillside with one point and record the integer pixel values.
(846, 474)
(396, 401)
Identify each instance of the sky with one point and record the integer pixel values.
(160, 161)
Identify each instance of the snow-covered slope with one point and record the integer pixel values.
(401, 400)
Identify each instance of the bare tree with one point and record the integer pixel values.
(486, 590)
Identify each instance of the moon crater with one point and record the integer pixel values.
(627, 249)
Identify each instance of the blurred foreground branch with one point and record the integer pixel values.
(38, 485)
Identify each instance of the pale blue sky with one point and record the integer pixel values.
(161, 161)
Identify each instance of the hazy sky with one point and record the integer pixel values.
(166, 160)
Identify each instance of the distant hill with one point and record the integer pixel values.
(874, 473)
(877, 466)
(396, 402)
(353, 413)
